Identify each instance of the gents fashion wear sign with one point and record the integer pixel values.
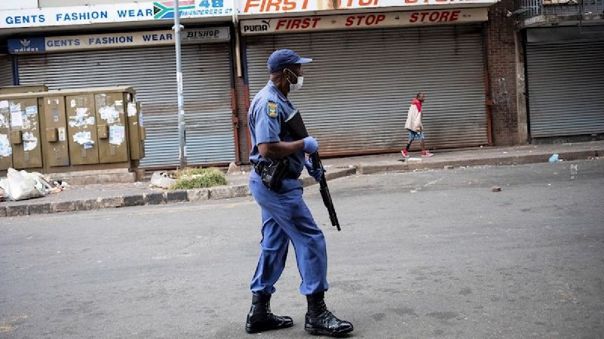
(111, 13)
(363, 20)
(115, 40)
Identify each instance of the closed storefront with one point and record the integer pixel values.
(565, 79)
(357, 90)
(150, 69)
(367, 68)
(6, 71)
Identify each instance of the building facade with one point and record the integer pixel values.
(564, 68)
(132, 44)
(371, 58)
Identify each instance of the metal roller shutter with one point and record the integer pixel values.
(357, 91)
(151, 71)
(566, 83)
(6, 71)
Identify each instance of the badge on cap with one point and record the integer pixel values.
(272, 109)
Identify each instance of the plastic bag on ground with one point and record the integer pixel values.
(20, 185)
(3, 194)
(161, 180)
(554, 158)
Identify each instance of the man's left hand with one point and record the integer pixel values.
(315, 173)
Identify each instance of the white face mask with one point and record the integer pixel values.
(298, 85)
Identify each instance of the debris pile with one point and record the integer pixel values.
(21, 185)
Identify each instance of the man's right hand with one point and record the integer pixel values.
(311, 145)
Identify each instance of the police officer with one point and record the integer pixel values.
(285, 216)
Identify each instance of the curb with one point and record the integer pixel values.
(494, 161)
(237, 191)
(154, 198)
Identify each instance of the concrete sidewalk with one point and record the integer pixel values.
(88, 197)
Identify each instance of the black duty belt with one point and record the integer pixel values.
(288, 175)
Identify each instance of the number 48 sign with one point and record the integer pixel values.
(211, 3)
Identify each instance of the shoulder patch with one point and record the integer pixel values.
(272, 109)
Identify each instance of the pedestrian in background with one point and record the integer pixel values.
(415, 127)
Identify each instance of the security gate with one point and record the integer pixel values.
(151, 72)
(358, 89)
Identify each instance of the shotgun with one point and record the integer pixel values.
(316, 163)
(295, 125)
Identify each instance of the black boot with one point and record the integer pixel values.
(261, 319)
(322, 322)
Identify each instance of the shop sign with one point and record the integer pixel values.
(193, 8)
(112, 13)
(363, 20)
(254, 7)
(116, 40)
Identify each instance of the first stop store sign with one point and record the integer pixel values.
(363, 20)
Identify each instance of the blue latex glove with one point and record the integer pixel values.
(315, 173)
(311, 145)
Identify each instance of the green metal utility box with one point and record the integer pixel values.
(71, 130)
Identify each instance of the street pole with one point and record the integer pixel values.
(182, 137)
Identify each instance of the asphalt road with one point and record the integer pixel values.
(431, 254)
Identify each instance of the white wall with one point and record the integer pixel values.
(17, 4)
(68, 3)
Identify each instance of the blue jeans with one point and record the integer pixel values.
(415, 135)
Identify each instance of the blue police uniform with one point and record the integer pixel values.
(285, 216)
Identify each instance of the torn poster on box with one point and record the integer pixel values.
(15, 107)
(84, 138)
(109, 114)
(30, 142)
(82, 118)
(27, 123)
(5, 148)
(16, 119)
(31, 110)
(117, 134)
(4, 121)
(131, 109)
